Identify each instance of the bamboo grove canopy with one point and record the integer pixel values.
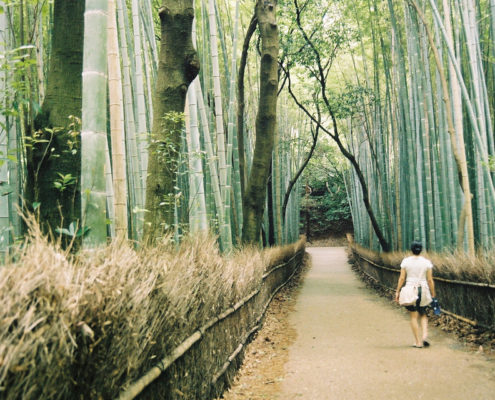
(150, 119)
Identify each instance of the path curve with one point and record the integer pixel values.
(352, 344)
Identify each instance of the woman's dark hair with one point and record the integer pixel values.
(416, 247)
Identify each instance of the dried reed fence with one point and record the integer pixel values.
(465, 286)
(88, 326)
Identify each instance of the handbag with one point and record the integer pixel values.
(408, 295)
(436, 307)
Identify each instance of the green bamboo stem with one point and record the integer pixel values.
(116, 125)
(141, 126)
(225, 234)
(221, 153)
(94, 124)
(468, 103)
(197, 206)
(231, 133)
(197, 202)
(223, 45)
(110, 197)
(148, 25)
(135, 181)
(4, 144)
(459, 153)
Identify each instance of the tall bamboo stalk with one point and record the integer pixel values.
(94, 123)
(225, 236)
(135, 180)
(219, 122)
(232, 149)
(468, 103)
(459, 154)
(4, 143)
(141, 125)
(197, 205)
(116, 125)
(197, 200)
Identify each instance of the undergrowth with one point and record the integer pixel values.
(87, 324)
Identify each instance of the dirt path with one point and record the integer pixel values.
(336, 339)
(351, 344)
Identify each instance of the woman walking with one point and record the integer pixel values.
(416, 271)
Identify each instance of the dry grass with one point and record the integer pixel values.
(277, 255)
(84, 326)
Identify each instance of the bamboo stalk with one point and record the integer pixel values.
(469, 106)
(135, 181)
(197, 203)
(4, 143)
(215, 181)
(116, 126)
(221, 153)
(141, 125)
(156, 371)
(110, 198)
(93, 134)
(231, 134)
(459, 154)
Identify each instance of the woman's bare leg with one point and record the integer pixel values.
(424, 326)
(415, 328)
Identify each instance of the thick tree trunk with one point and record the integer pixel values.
(254, 199)
(55, 149)
(178, 66)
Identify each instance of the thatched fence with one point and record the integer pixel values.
(469, 301)
(203, 364)
(157, 323)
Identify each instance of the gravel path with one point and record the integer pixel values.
(351, 344)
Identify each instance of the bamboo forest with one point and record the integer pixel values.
(401, 89)
(206, 142)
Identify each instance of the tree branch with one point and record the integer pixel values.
(301, 168)
(240, 101)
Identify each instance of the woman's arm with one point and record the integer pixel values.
(431, 283)
(402, 279)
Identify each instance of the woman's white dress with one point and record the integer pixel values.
(416, 268)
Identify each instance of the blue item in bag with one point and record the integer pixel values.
(435, 306)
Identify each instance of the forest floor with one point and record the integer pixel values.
(328, 336)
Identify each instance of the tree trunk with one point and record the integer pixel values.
(56, 151)
(178, 66)
(254, 200)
